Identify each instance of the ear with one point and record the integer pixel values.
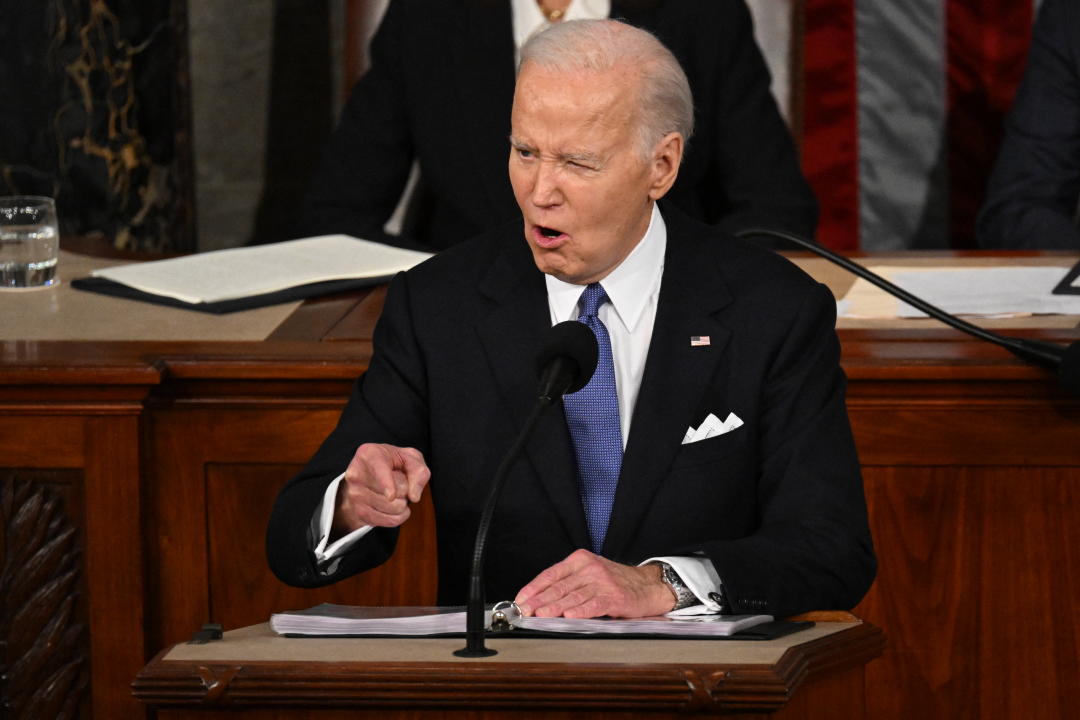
(665, 161)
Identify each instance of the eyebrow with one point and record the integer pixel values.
(583, 158)
(514, 142)
(578, 157)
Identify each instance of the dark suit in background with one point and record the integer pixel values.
(776, 504)
(440, 89)
(1035, 186)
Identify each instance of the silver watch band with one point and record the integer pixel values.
(684, 597)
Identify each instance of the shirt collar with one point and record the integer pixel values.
(629, 286)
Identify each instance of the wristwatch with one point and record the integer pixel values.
(684, 596)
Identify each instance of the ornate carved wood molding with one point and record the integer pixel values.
(43, 659)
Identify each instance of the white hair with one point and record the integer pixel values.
(666, 103)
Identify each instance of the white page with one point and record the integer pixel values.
(973, 291)
(243, 272)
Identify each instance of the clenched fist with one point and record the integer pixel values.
(378, 486)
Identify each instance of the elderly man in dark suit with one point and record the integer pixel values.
(709, 461)
(440, 84)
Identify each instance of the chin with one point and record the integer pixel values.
(549, 262)
(560, 271)
(556, 272)
(561, 276)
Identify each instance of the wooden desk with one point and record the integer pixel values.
(251, 668)
(137, 477)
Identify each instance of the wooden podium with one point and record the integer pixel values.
(252, 673)
(141, 449)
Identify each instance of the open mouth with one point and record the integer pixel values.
(548, 238)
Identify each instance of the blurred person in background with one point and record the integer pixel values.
(439, 92)
(1032, 196)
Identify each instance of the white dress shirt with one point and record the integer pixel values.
(528, 18)
(633, 289)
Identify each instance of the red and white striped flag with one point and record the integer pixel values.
(899, 109)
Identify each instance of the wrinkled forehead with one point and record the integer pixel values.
(595, 96)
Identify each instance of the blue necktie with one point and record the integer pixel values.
(592, 415)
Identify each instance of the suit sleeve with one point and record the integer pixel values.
(812, 549)
(366, 162)
(1033, 191)
(755, 158)
(388, 404)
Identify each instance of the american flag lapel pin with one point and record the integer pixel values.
(699, 340)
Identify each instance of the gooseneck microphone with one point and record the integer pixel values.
(1064, 360)
(565, 364)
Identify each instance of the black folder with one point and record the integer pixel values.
(220, 307)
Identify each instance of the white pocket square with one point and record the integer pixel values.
(711, 427)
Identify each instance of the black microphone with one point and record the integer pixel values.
(1064, 360)
(567, 361)
(565, 364)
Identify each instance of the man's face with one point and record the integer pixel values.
(584, 190)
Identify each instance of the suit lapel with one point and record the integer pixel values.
(482, 50)
(511, 335)
(675, 379)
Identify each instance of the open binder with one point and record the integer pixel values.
(225, 281)
(328, 620)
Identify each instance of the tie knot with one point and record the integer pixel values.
(591, 299)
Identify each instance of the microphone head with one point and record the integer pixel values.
(1069, 370)
(568, 357)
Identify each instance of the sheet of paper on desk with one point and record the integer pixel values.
(248, 271)
(971, 291)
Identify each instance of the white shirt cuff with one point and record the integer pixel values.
(324, 553)
(700, 577)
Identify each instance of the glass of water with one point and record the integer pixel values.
(29, 241)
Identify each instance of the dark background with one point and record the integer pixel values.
(95, 110)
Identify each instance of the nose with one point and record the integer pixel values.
(545, 190)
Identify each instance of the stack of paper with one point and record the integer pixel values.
(340, 620)
(972, 291)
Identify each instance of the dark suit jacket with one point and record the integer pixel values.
(440, 89)
(1033, 192)
(777, 504)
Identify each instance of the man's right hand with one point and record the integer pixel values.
(379, 484)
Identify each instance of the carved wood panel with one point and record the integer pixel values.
(974, 498)
(88, 469)
(216, 475)
(979, 571)
(44, 655)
